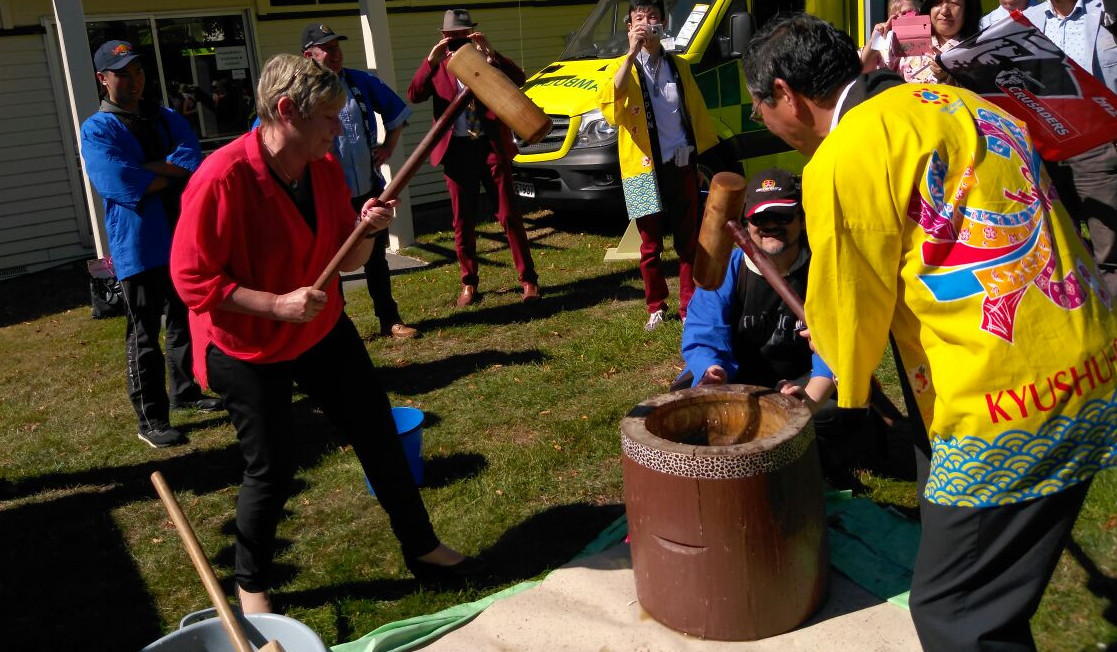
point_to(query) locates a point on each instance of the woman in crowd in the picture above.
(875, 51)
(261, 219)
(951, 22)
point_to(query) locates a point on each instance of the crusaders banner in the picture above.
(1013, 65)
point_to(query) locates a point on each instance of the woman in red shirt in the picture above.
(261, 218)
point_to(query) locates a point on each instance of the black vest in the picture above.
(766, 343)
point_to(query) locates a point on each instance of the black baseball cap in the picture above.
(113, 55)
(774, 190)
(319, 34)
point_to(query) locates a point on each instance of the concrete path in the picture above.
(590, 605)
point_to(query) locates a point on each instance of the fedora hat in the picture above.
(455, 20)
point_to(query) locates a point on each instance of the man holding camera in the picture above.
(476, 151)
(663, 126)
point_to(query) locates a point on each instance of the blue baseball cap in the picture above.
(113, 55)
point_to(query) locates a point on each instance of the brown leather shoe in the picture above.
(531, 292)
(468, 296)
(402, 331)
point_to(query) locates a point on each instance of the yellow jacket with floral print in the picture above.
(638, 174)
(929, 214)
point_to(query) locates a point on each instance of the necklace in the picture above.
(654, 63)
(292, 183)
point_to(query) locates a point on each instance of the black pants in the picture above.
(378, 277)
(980, 573)
(338, 375)
(148, 296)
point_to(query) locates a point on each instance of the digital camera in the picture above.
(655, 30)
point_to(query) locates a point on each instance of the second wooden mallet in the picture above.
(724, 204)
(491, 87)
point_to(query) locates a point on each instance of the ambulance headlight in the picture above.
(595, 131)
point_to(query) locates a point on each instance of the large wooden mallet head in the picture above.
(725, 202)
(497, 92)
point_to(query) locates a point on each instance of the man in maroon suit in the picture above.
(477, 150)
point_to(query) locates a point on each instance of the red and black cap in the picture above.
(773, 191)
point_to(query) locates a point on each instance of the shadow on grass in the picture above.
(52, 291)
(1101, 585)
(547, 540)
(541, 543)
(414, 379)
(553, 300)
(70, 580)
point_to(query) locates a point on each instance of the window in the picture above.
(201, 66)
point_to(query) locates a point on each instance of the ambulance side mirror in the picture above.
(741, 28)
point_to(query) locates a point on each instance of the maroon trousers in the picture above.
(467, 165)
(678, 188)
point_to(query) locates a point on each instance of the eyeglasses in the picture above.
(755, 116)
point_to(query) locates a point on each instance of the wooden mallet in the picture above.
(724, 204)
(487, 84)
(205, 571)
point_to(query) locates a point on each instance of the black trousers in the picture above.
(378, 277)
(148, 296)
(338, 375)
(980, 573)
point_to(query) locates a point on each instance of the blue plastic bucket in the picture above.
(409, 425)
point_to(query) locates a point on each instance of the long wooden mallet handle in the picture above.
(402, 177)
(878, 400)
(724, 204)
(201, 564)
(500, 95)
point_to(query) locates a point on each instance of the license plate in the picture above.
(524, 189)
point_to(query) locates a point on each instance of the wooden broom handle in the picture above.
(399, 180)
(201, 564)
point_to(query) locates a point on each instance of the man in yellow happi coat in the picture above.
(930, 219)
(662, 127)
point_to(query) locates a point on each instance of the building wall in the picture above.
(43, 217)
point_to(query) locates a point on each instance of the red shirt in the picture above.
(239, 228)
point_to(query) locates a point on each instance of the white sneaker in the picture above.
(654, 320)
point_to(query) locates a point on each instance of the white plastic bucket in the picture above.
(202, 631)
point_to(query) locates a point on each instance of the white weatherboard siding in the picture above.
(42, 223)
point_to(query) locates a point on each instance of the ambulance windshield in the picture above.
(604, 35)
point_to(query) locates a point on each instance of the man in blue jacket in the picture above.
(361, 156)
(743, 332)
(138, 156)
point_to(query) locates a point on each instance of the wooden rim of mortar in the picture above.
(761, 456)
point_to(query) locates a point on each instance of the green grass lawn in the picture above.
(522, 449)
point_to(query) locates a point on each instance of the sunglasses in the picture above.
(769, 218)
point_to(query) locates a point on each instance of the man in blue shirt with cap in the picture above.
(138, 156)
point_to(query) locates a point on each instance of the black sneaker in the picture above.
(162, 436)
(203, 404)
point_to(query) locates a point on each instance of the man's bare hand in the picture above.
(715, 375)
(482, 44)
(439, 51)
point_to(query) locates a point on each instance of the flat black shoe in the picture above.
(468, 570)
